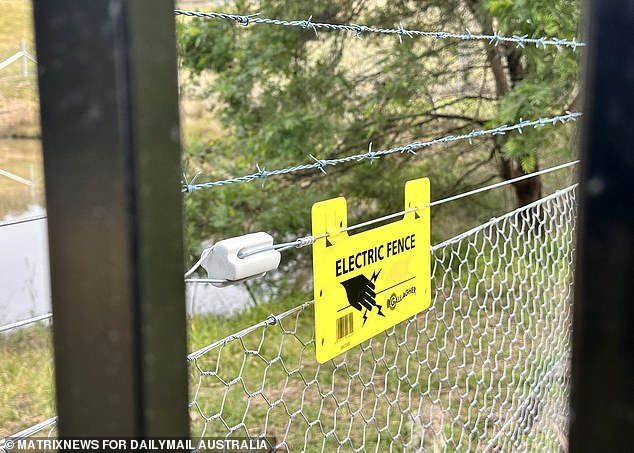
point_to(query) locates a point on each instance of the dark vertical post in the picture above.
(602, 401)
(110, 131)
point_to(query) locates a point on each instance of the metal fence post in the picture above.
(602, 400)
(110, 131)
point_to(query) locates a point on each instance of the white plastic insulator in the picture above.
(223, 262)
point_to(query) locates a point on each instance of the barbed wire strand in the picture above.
(306, 241)
(495, 39)
(321, 164)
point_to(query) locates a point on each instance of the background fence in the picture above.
(23, 56)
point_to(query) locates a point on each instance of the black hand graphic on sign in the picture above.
(361, 294)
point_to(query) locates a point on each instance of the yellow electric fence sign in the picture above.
(368, 282)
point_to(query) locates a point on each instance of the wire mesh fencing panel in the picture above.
(485, 368)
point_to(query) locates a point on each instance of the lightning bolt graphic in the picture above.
(365, 317)
(375, 275)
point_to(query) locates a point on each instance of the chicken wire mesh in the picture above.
(485, 368)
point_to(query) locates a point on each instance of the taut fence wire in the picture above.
(496, 38)
(485, 368)
(411, 148)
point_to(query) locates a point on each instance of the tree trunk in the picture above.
(526, 191)
(506, 79)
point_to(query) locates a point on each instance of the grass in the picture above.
(26, 378)
(19, 115)
(19, 111)
(16, 23)
(22, 158)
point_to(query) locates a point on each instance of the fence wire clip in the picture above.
(227, 261)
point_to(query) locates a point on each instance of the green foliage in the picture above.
(551, 81)
(283, 94)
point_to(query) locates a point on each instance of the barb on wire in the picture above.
(494, 39)
(188, 184)
(321, 164)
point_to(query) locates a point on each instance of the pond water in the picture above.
(24, 276)
(24, 266)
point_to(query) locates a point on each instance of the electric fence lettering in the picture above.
(374, 254)
(361, 279)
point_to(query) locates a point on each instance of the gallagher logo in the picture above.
(394, 299)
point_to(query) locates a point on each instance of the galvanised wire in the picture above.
(358, 30)
(485, 368)
(321, 164)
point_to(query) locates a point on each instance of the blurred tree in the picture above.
(530, 82)
(284, 93)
